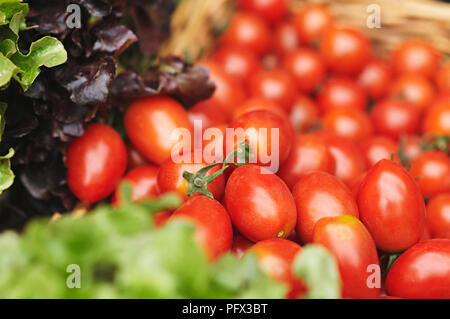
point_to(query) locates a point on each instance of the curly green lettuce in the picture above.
(24, 68)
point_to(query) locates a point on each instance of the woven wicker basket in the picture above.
(196, 23)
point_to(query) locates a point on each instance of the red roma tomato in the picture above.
(443, 78)
(259, 203)
(248, 31)
(208, 113)
(352, 245)
(170, 177)
(143, 181)
(423, 271)
(213, 226)
(161, 218)
(228, 93)
(414, 88)
(304, 114)
(273, 11)
(394, 118)
(318, 195)
(96, 162)
(377, 148)
(345, 51)
(311, 22)
(257, 126)
(431, 169)
(285, 38)
(151, 121)
(309, 153)
(276, 86)
(240, 245)
(342, 93)
(375, 78)
(411, 146)
(349, 162)
(391, 207)
(306, 68)
(437, 119)
(256, 103)
(352, 124)
(276, 257)
(239, 63)
(438, 214)
(415, 56)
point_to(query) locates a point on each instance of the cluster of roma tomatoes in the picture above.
(354, 176)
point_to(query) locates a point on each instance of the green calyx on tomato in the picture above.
(440, 143)
(199, 181)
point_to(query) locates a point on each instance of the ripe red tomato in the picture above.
(208, 113)
(414, 88)
(257, 103)
(285, 38)
(240, 245)
(346, 51)
(318, 195)
(411, 145)
(349, 162)
(273, 11)
(437, 119)
(391, 207)
(276, 257)
(375, 78)
(249, 31)
(352, 124)
(151, 121)
(259, 203)
(438, 214)
(170, 176)
(353, 246)
(306, 68)
(257, 126)
(311, 22)
(341, 93)
(432, 172)
(423, 271)
(309, 153)
(228, 93)
(377, 148)
(443, 78)
(394, 118)
(276, 86)
(96, 162)
(304, 113)
(415, 56)
(143, 181)
(239, 63)
(213, 226)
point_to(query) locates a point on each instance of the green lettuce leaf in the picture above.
(6, 174)
(319, 270)
(24, 68)
(120, 254)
